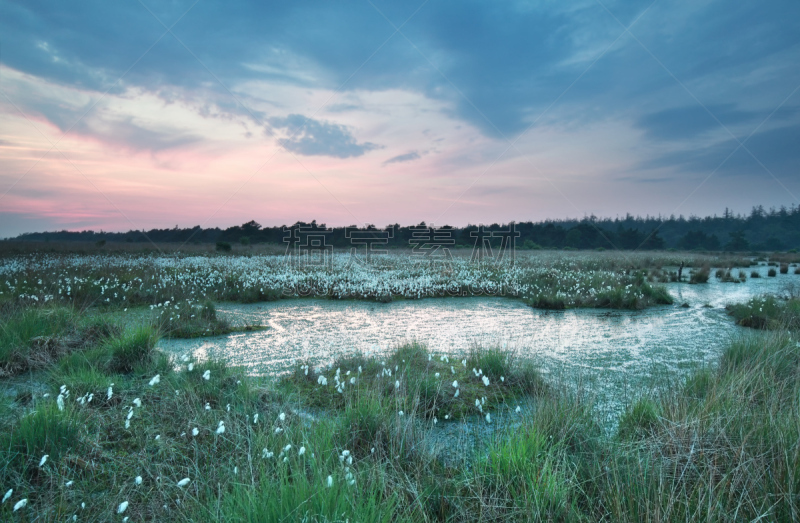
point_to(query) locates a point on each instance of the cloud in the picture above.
(311, 137)
(775, 148)
(413, 155)
(688, 122)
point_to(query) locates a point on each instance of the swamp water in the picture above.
(616, 355)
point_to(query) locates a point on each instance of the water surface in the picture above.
(613, 353)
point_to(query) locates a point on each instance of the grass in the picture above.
(767, 312)
(722, 446)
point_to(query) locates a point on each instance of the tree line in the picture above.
(760, 230)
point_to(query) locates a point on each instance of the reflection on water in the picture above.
(613, 352)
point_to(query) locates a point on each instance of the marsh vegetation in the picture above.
(96, 423)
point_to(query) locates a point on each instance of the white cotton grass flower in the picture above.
(457, 393)
(301, 451)
(518, 409)
(278, 430)
(8, 494)
(158, 437)
(282, 416)
(110, 392)
(43, 460)
(455, 384)
(207, 375)
(21, 504)
(69, 483)
(221, 427)
(190, 367)
(401, 413)
(397, 384)
(60, 402)
(436, 375)
(155, 380)
(287, 448)
(255, 418)
(137, 402)
(488, 418)
(330, 481)
(208, 406)
(266, 454)
(195, 432)
(122, 507)
(485, 381)
(185, 481)
(138, 480)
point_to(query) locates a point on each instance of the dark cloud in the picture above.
(775, 148)
(688, 122)
(315, 138)
(413, 155)
(497, 64)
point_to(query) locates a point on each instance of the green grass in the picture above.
(767, 312)
(723, 446)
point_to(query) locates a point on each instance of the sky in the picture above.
(142, 114)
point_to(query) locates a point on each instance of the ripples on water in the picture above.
(615, 354)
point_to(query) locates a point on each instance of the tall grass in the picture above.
(723, 446)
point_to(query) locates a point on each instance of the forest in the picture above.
(775, 229)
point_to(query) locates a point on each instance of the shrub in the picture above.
(223, 247)
(244, 240)
(784, 268)
(755, 274)
(772, 273)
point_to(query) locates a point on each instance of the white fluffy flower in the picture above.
(138, 480)
(137, 402)
(221, 428)
(207, 375)
(156, 379)
(122, 507)
(21, 504)
(330, 481)
(195, 432)
(184, 482)
(44, 459)
(8, 494)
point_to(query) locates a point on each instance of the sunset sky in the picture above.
(131, 115)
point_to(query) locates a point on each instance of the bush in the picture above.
(244, 240)
(784, 268)
(772, 273)
(755, 274)
(223, 247)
